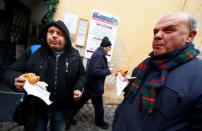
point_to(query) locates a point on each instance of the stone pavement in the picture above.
(85, 120)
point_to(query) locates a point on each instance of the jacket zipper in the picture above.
(56, 73)
(66, 64)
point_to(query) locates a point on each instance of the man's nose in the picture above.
(54, 34)
(158, 35)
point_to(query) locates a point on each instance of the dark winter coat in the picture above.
(96, 73)
(62, 79)
(178, 106)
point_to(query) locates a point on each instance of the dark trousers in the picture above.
(57, 121)
(97, 104)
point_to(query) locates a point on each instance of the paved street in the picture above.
(84, 118)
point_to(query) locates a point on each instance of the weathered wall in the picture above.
(135, 33)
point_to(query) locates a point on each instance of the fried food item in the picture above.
(31, 77)
(123, 72)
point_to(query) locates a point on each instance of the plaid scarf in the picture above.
(161, 67)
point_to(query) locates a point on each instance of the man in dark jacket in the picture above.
(166, 94)
(97, 71)
(60, 66)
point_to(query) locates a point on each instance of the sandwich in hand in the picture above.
(31, 77)
(123, 72)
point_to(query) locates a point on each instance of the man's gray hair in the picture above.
(193, 23)
(192, 20)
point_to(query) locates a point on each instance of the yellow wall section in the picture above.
(137, 20)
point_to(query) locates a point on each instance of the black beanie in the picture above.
(105, 42)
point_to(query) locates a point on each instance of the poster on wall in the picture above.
(101, 24)
(81, 33)
(70, 21)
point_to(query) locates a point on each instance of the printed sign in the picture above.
(70, 21)
(101, 25)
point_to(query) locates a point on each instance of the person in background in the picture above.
(60, 66)
(166, 94)
(97, 70)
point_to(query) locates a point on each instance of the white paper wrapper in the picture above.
(121, 82)
(38, 90)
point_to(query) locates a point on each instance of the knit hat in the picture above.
(105, 42)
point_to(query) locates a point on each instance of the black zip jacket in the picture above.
(96, 73)
(63, 75)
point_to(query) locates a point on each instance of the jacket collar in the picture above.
(102, 51)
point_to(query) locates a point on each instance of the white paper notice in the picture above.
(70, 21)
(38, 90)
(82, 32)
(122, 82)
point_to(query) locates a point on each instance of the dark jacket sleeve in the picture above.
(98, 68)
(79, 85)
(16, 69)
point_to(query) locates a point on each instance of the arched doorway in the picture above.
(19, 28)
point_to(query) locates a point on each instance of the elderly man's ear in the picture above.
(191, 36)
